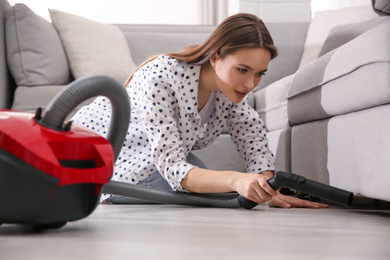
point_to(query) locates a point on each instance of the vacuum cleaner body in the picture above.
(47, 176)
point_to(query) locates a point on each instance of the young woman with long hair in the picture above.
(181, 101)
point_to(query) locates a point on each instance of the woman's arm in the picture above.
(252, 186)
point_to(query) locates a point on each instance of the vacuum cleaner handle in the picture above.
(302, 184)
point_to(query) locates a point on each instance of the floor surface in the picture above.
(179, 232)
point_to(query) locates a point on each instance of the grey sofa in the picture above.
(325, 105)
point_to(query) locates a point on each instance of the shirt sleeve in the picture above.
(248, 132)
(159, 113)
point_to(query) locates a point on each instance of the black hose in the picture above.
(83, 89)
(226, 200)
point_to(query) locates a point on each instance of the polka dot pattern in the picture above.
(165, 124)
(248, 132)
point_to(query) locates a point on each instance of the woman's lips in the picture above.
(240, 94)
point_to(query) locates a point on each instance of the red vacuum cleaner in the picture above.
(52, 172)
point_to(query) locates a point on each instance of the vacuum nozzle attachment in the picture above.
(302, 184)
(316, 189)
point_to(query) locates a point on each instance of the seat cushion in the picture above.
(28, 99)
(280, 145)
(271, 104)
(353, 77)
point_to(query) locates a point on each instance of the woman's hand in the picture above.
(283, 201)
(255, 186)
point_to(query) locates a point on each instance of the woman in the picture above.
(182, 101)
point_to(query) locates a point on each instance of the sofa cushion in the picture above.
(28, 99)
(353, 77)
(35, 54)
(324, 21)
(280, 145)
(271, 104)
(342, 34)
(93, 48)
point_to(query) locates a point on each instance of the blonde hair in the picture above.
(235, 32)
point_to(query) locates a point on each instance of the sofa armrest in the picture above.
(7, 84)
(353, 77)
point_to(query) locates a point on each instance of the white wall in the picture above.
(320, 5)
(188, 11)
(274, 10)
(125, 11)
(289, 10)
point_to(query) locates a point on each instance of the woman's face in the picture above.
(238, 73)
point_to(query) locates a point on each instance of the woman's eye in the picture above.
(242, 70)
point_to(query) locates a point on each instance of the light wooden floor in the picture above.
(178, 232)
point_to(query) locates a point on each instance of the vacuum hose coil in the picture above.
(83, 89)
(172, 197)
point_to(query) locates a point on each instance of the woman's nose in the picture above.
(251, 83)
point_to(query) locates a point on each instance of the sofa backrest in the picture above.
(324, 21)
(142, 39)
(289, 38)
(147, 40)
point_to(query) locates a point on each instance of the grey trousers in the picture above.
(156, 181)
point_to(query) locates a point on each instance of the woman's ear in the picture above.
(213, 60)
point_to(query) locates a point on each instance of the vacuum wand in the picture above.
(300, 183)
